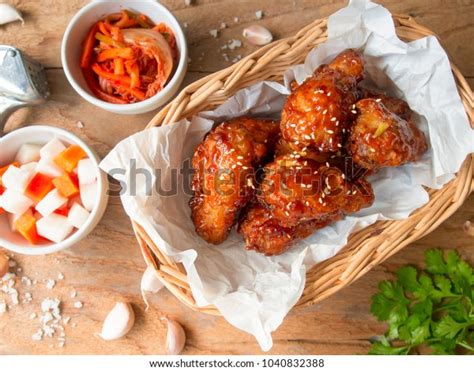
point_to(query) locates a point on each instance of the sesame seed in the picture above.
(378, 100)
(307, 203)
(325, 111)
(354, 111)
(353, 106)
(307, 137)
(287, 213)
(239, 163)
(372, 150)
(339, 145)
(331, 131)
(234, 166)
(328, 94)
(327, 164)
(320, 200)
(333, 119)
(245, 167)
(240, 157)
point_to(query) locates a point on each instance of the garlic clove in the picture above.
(150, 283)
(176, 337)
(257, 35)
(467, 227)
(4, 265)
(118, 322)
(9, 14)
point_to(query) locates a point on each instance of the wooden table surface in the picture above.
(107, 266)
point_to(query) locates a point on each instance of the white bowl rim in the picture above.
(131, 107)
(101, 197)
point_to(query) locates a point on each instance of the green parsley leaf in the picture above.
(431, 307)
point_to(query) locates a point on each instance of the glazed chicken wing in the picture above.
(223, 181)
(268, 236)
(296, 189)
(317, 112)
(380, 138)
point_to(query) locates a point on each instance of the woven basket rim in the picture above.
(365, 248)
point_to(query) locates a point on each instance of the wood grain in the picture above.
(107, 266)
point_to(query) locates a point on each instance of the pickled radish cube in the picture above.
(86, 171)
(78, 216)
(67, 185)
(39, 186)
(51, 149)
(26, 226)
(12, 218)
(69, 158)
(28, 153)
(17, 179)
(88, 195)
(54, 227)
(16, 203)
(51, 202)
(47, 167)
(30, 166)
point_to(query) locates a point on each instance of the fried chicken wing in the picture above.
(266, 235)
(223, 181)
(299, 189)
(380, 138)
(317, 112)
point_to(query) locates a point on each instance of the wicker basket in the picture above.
(367, 247)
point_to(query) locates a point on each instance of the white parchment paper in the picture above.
(254, 292)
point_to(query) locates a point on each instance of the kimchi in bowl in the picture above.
(72, 51)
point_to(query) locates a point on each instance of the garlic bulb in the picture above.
(9, 14)
(118, 322)
(4, 265)
(150, 283)
(257, 35)
(176, 337)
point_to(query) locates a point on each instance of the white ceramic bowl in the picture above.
(77, 30)
(9, 146)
